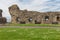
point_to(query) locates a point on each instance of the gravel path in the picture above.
(26, 27)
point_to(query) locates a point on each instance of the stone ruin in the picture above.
(2, 19)
(33, 17)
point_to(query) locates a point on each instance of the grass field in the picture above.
(29, 34)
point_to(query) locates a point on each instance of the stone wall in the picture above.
(32, 17)
(3, 20)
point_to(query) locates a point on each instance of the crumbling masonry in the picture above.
(33, 17)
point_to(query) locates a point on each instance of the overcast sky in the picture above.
(35, 5)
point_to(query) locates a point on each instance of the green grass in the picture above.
(54, 25)
(29, 34)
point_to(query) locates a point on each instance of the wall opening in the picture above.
(36, 22)
(58, 18)
(54, 22)
(22, 22)
(46, 18)
(30, 19)
(17, 19)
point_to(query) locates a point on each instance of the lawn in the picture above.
(29, 34)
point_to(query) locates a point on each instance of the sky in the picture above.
(35, 5)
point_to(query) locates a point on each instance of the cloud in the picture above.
(4, 4)
(35, 5)
(41, 5)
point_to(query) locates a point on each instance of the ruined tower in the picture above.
(0, 13)
(14, 10)
(2, 19)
